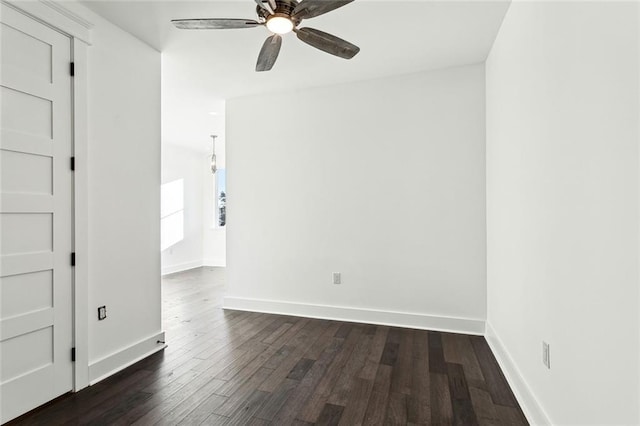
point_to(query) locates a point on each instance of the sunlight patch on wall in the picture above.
(171, 213)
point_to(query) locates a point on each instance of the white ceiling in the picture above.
(395, 37)
(203, 67)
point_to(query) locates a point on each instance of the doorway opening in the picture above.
(193, 192)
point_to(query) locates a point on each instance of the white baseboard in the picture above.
(527, 400)
(215, 261)
(341, 313)
(111, 364)
(179, 267)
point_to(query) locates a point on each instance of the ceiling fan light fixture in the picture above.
(281, 17)
(279, 24)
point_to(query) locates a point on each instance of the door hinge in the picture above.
(73, 259)
(72, 69)
(73, 163)
(73, 354)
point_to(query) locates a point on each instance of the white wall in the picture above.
(124, 198)
(562, 208)
(383, 181)
(179, 162)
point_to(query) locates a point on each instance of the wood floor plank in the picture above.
(288, 336)
(457, 349)
(245, 374)
(277, 333)
(325, 340)
(379, 399)
(463, 412)
(397, 409)
(203, 410)
(265, 333)
(402, 375)
(318, 398)
(259, 351)
(281, 354)
(496, 383)
(301, 342)
(330, 415)
(235, 367)
(300, 369)
(89, 409)
(441, 408)
(184, 408)
(390, 354)
(340, 393)
(356, 404)
(108, 416)
(510, 416)
(344, 330)
(214, 420)
(297, 400)
(375, 353)
(278, 375)
(202, 383)
(273, 404)
(244, 413)
(437, 363)
(238, 398)
(483, 407)
(256, 421)
(391, 347)
(418, 402)
(163, 389)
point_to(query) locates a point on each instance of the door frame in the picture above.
(73, 20)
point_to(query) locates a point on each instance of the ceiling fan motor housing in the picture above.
(284, 8)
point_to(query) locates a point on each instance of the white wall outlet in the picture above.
(337, 278)
(545, 355)
(102, 313)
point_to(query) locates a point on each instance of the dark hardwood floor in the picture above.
(231, 367)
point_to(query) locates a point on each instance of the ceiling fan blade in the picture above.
(264, 6)
(214, 23)
(273, 4)
(269, 53)
(312, 8)
(327, 42)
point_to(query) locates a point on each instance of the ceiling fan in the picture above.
(282, 17)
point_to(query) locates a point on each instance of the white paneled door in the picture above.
(36, 216)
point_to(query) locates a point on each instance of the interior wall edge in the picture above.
(367, 316)
(526, 398)
(218, 262)
(127, 356)
(183, 266)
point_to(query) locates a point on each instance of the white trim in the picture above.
(179, 267)
(368, 316)
(81, 215)
(59, 17)
(117, 361)
(526, 398)
(68, 14)
(215, 261)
